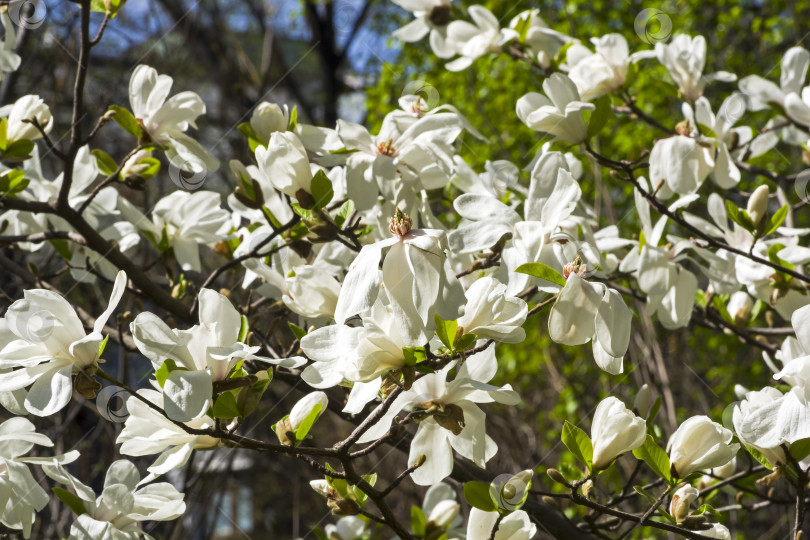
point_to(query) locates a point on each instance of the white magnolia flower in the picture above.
(268, 118)
(9, 60)
(473, 40)
(681, 501)
(604, 71)
(542, 42)
(586, 312)
(558, 113)
(147, 432)
(614, 431)
(49, 345)
(767, 419)
(726, 173)
(700, 444)
(284, 162)
(515, 526)
(431, 16)
(410, 153)
(165, 121)
(685, 57)
(491, 313)
(682, 163)
(20, 114)
(358, 354)
(757, 206)
(308, 290)
(21, 496)
(552, 198)
(750, 416)
(718, 531)
(762, 93)
(286, 428)
(452, 420)
(347, 528)
(182, 221)
(117, 513)
(208, 352)
(413, 275)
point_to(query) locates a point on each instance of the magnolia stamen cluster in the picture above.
(386, 148)
(575, 267)
(400, 224)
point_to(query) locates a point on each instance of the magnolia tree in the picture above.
(333, 264)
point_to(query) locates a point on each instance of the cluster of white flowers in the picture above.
(335, 226)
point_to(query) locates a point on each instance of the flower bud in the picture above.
(286, 428)
(643, 401)
(758, 204)
(443, 513)
(557, 476)
(614, 431)
(724, 471)
(268, 118)
(23, 112)
(681, 501)
(739, 307)
(700, 444)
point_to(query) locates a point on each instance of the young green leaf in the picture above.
(777, 219)
(106, 164)
(658, 460)
(73, 501)
(303, 429)
(418, 521)
(477, 495)
(225, 406)
(322, 191)
(446, 331)
(542, 271)
(600, 116)
(578, 443)
(126, 120)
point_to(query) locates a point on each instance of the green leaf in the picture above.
(293, 119)
(225, 406)
(297, 331)
(165, 368)
(3, 134)
(777, 219)
(303, 429)
(321, 188)
(464, 342)
(19, 149)
(13, 182)
(599, 116)
(658, 460)
(244, 328)
(344, 213)
(578, 443)
(103, 345)
(800, 449)
(152, 169)
(112, 7)
(62, 248)
(126, 120)
(73, 501)
(418, 521)
(248, 398)
(720, 306)
(414, 355)
(271, 218)
(446, 331)
(477, 495)
(732, 211)
(706, 131)
(106, 164)
(542, 271)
